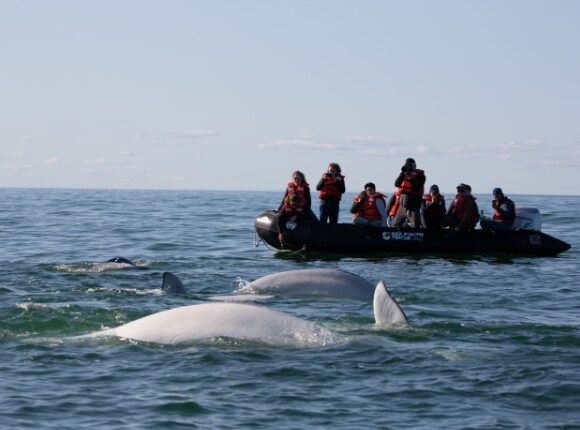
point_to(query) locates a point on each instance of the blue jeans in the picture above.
(328, 212)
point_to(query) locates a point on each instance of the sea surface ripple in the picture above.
(493, 340)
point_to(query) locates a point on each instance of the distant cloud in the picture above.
(371, 145)
(96, 162)
(196, 133)
(300, 144)
(175, 137)
(53, 161)
(13, 154)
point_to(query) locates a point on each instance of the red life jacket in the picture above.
(294, 188)
(330, 189)
(428, 199)
(370, 206)
(395, 208)
(511, 208)
(457, 209)
(292, 211)
(406, 186)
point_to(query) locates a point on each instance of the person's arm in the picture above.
(307, 198)
(400, 179)
(340, 184)
(510, 213)
(320, 183)
(420, 179)
(281, 205)
(357, 203)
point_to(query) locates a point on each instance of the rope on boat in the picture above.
(257, 239)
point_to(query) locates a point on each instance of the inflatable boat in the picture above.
(351, 239)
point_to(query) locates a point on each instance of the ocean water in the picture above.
(493, 340)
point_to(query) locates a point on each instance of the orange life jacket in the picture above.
(395, 208)
(406, 186)
(330, 189)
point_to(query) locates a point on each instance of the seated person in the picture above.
(392, 209)
(433, 208)
(463, 212)
(369, 208)
(504, 212)
(293, 210)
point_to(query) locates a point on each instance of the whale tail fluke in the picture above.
(386, 308)
(172, 284)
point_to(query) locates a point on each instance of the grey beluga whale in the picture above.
(121, 260)
(242, 321)
(172, 284)
(332, 283)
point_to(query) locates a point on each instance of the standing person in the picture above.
(296, 203)
(331, 187)
(463, 212)
(369, 208)
(504, 213)
(411, 182)
(433, 208)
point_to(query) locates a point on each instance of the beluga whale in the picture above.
(171, 284)
(243, 321)
(331, 283)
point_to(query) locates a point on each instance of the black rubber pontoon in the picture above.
(351, 239)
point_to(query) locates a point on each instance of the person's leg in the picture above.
(401, 216)
(414, 218)
(323, 212)
(333, 214)
(360, 221)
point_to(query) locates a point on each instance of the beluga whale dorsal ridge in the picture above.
(334, 283)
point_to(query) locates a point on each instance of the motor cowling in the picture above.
(528, 218)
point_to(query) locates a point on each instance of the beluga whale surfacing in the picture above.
(329, 283)
(243, 321)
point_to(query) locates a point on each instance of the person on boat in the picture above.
(369, 208)
(433, 209)
(504, 212)
(410, 182)
(331, 187)
(298, 206)
(462, 214)
(393, 207)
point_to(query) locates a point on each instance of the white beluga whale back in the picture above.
(333, 283)
(223, 320)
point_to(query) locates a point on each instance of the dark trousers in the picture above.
(329, 211)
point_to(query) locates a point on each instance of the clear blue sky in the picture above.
(238, 94)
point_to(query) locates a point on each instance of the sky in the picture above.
(236, 95)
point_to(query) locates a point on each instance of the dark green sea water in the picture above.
(493, 341)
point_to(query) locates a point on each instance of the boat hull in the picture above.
(351, 239)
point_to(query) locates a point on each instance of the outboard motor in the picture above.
(528, 218)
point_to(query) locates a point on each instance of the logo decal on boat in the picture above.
(535, 239)
(401, 235)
